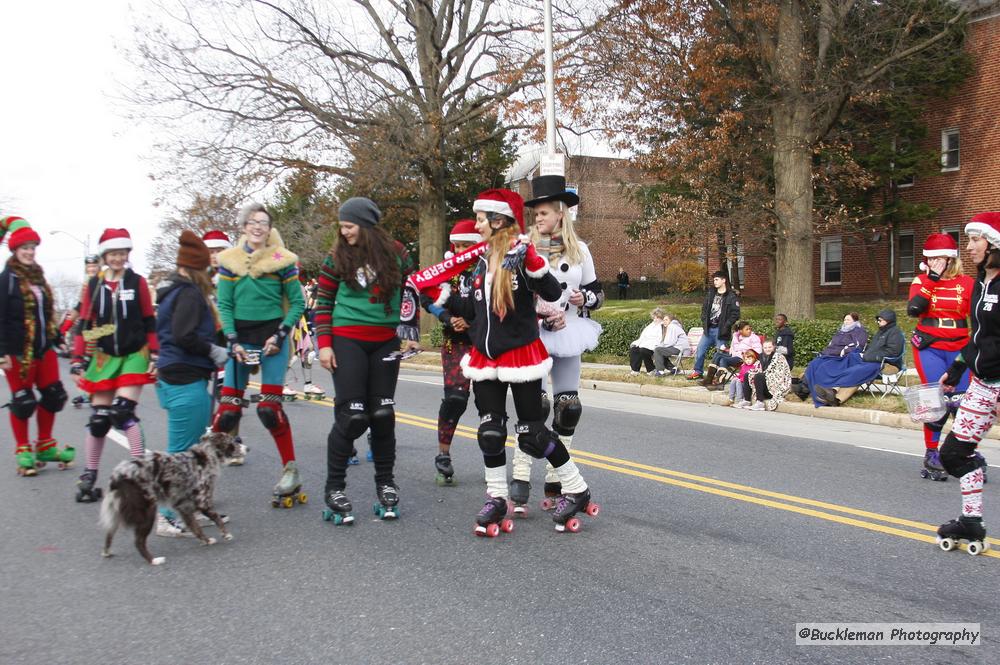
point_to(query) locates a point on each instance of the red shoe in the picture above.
(694, 376)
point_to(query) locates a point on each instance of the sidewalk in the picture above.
(698, 394)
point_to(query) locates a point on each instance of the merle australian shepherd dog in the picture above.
(185, 481)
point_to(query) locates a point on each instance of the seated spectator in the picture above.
(765, 388)
(640, 352)
(851, 337)
(887, 342)
(743, 339)
(750, 364)
(674, 342)
(784, 339)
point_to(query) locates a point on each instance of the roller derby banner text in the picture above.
(895, 634)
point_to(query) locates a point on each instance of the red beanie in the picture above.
(23, 236)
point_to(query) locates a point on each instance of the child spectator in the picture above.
(749, 365)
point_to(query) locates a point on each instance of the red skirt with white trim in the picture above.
(525, 363)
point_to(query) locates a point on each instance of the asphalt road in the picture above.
(720, 530)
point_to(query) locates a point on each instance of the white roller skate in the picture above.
(288, 491)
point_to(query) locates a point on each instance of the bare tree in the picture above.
(259, 86)
(203, 213)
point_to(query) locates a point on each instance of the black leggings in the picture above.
(760, 383)
(363, 376)
(638, 356)
(491, 397)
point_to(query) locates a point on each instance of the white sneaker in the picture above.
(758, 406)
(171, 528)
(288, 392)
(633, 373)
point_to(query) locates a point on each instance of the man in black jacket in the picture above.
(719, 314)
(886, 346)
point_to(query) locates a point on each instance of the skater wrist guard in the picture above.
(282, 334)
(955, 372)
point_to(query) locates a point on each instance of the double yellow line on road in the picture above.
(831, 512)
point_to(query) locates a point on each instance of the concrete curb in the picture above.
(719, 398)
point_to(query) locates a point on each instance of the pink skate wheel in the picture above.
(547, 503)
(507, 525)
(593, 509)
(573, 525)
(492, 530)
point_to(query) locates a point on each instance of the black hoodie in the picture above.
(887, 342)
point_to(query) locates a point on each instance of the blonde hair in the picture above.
(502, 290)
(657, 313)
(571, 242)
(954, 268)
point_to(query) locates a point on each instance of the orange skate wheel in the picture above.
(287, 502)
(507, 525)
(573, 525)
(302, 498)
(593, 509)
(492, 530)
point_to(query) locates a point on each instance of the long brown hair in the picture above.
(203, 283)
(502, 296)
(375, 251)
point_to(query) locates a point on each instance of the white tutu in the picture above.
(579, 335)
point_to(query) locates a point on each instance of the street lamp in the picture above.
(86, 244)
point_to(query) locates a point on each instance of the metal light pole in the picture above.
(550, 84)
(86, 244)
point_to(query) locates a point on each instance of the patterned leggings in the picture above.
(975, 417)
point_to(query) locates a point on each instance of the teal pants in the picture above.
(189, 410)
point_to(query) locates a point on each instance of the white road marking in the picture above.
(119, 439)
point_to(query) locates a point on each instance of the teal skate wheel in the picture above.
(327, 515)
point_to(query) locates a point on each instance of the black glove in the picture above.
(955, 373)
(933, 276)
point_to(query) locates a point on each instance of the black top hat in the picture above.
(550, 188)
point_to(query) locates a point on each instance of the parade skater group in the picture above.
(515, 310)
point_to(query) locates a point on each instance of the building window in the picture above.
(953, 231)
(949, 150)
(905, 248)
(829, 261)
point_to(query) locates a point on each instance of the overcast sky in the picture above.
(69, 161)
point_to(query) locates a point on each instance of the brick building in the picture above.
(603, 214)
(966, 129)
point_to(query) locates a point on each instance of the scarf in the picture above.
(425, 281)
(26, 277)
(848, 327)
(556, 249)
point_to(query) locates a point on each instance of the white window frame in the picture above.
(913, 240)
(957, 230)
(824, 243)
(945, 133)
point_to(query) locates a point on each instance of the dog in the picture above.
(185, 481)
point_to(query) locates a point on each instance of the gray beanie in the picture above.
(361, 211)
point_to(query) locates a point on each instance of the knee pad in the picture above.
(567, 413)
(492, 434)
(383, 417)
(53, 397)
(123, 412)
(352, 418)
(546, 406)
(22, 403)
(453, 405)
(229, 414)
(270, 413)
(534, 438)
(100, 421)
(958, 457)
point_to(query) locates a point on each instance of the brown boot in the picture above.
(826, 396)
(709, 376)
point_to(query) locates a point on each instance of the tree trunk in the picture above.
(431, 213)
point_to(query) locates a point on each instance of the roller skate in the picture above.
(85, 490)
(25, 461)
(288, 395)
(48, 451)
(965, 529)
(80, 401)
(353, 459)
(492, 519)
(568, 506)
(288, 491)
(932, 466)
(445, 471)
(552, 493)
(313, 392)
(519, 492)
(338, 508)
(387, 507)
(240, 458)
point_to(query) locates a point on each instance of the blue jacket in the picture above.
(185, 326)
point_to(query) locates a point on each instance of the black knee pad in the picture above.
(492, 434)
(351, 418)
(383, 417)
(958, 457)
(227, 418)
(546, 406)
(53, 397)
(453, 405)
(22, 403)
(567, 413)
(100, 421)
(534, 438)
(123, 412)
(271, 415)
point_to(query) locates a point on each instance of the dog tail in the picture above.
(111, 513)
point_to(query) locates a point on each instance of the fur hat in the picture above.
(192, 252)
(986, 224)
(551, 188)
(501, 201)
(113, 239)
(23, 236)
(216, 240)
(940, 244)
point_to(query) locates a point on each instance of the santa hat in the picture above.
(216, 240)
(986, 224)
(940, 244)
(11, 224)
(502, 201)
(113, 239)
(22, 236)
(464, 231)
